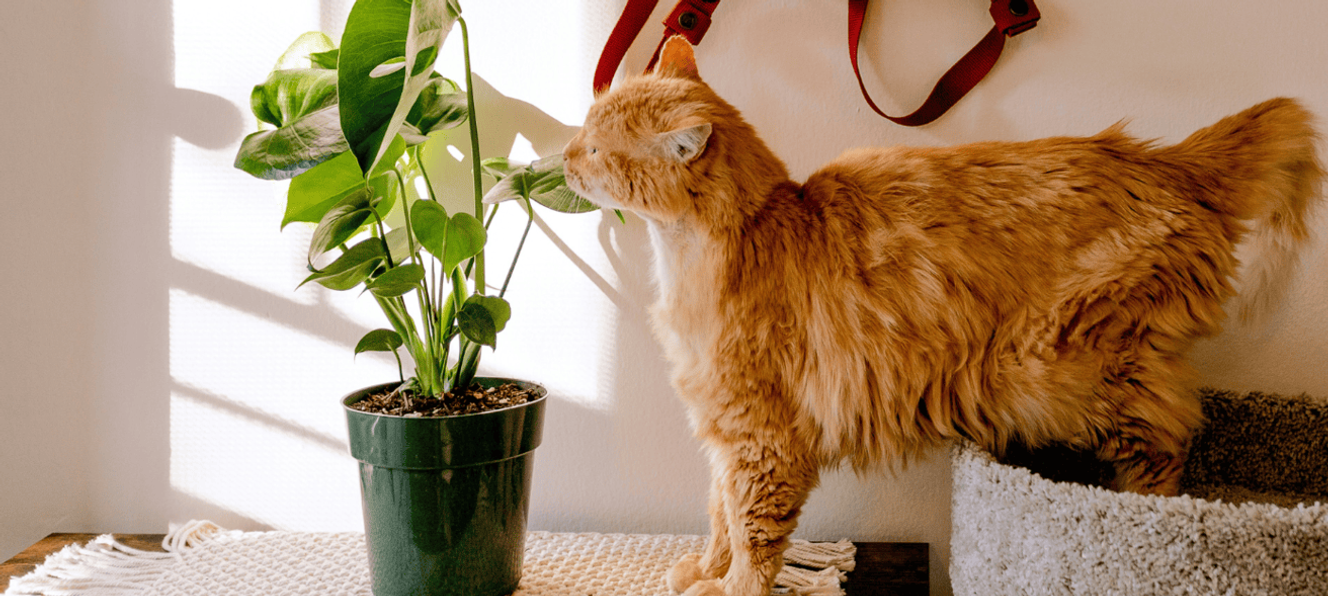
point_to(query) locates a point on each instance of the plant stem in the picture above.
(474, 150)
(439, 343)
(530, 220)
(382, 236)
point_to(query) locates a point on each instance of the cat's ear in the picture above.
(684, 144)
(676, 59)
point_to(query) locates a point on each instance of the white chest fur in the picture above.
(686, 315)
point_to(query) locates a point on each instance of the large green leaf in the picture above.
(314, 192)
(378, 32)
(341, 222)
(294, 148)
(352, 268)
(308, 141)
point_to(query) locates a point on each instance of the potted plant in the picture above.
(445, 457)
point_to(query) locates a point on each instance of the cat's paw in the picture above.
(705, 587)
(686, 572)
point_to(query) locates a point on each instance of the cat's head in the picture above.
(647, 145)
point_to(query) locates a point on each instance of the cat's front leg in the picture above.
(714, 562)
(765, 487)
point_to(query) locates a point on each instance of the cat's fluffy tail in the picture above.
(1261, 165)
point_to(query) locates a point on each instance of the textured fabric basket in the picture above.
(1252, 519)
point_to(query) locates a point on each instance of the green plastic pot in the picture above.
(445, 499)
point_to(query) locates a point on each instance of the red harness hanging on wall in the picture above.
(691, 19)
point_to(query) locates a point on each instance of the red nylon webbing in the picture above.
(1012, 17)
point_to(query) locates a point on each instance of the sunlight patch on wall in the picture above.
(221, 220)
(223, 223)
(264, 472)
(561, 320)
(522, 151)
(266, 366)
(256, 426)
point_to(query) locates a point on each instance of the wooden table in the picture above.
(884, 568)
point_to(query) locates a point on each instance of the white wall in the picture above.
(158, 365)
(47, 302)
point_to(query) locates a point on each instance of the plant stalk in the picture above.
(474, 150)
(530, 220)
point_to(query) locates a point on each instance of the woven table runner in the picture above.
(202, 559)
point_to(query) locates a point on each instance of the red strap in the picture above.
(689, 18)
(634, 17)
(1012, 17)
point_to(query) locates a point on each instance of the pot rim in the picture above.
(364, 391)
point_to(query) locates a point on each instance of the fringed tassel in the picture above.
(815, 568)
(819, 555)
(108, 568)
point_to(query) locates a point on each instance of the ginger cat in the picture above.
(901, 297)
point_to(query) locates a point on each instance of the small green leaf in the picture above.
(388, 67)
(465, 239)
(397, 281)
(379, 340)
(441, 105)
(395, 149)
(548, 187)
(498, 308)
(288, 95)
(499, 167)
(386, 190)
(326, 59)
(306, 46)
(314, 192)
(563, 200)
(340, 223)
(543, 181)
(424, 60)
(516, 185)
(429, 221)
(398, 243)
(352, 268)
(477, 324)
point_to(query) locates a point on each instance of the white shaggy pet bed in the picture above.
(1252, 519)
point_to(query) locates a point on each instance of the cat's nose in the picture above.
(571, 150)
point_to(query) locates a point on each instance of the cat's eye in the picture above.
(593, 150)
